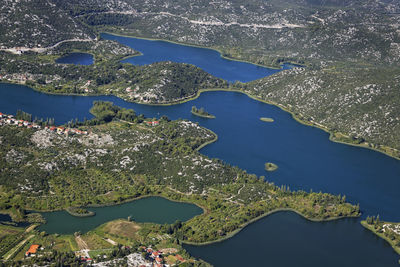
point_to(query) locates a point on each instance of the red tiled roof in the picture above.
(179, 257)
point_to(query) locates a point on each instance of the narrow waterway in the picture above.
(151, 209)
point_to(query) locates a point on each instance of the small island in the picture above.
(80, 212)
(269, 166)
(267, 119)
(201, 113)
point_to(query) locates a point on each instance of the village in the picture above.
(391, 227)
(143, 257)
(6, 119)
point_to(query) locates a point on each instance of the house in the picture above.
(1, 115)
(32, 250)
(179, 258)
(152, 123)
(53, 129)
(60, 130)
(155, 254)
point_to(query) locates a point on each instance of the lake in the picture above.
(306, 158)
(151, 209)
(76, 58)
(287, 239)
(206, 59)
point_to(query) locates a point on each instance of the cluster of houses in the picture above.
(10, 120)
(66, 131)
(152, 123)
(393, 227)
(156, 256)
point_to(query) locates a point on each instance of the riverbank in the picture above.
(298, 119)
(209, 142)
(275, 67)
(381, 235)
(383, 149)
(235, 232)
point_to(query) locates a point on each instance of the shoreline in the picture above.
(215, 139)
(124, 202)
(331, 138)
(235, 232)
(372, 229)
(197, 95)
(203, 116)
(204, 47)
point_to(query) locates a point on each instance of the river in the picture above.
(306, 158)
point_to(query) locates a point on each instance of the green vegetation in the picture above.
(9, 236)
(269, 166)
(351, 68)
(267, 119)
(365, 92)
(201, 113)
(120, 162)
(80, 212)
(105, 112)
(107, 76)
(386, 230)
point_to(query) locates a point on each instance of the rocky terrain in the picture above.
(333, 97)
(351, 50)
(37, 24)
(118, 161)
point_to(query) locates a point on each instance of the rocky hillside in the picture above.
(261, 31)
(37, 24)
(362, 103)
(351, 49)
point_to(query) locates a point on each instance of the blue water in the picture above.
(306, 159)
(206, 59)
(151, 209)
(5, 218)
(286, 240)
(76, 58)
(305, 156)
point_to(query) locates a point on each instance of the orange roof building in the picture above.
(32, 250)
